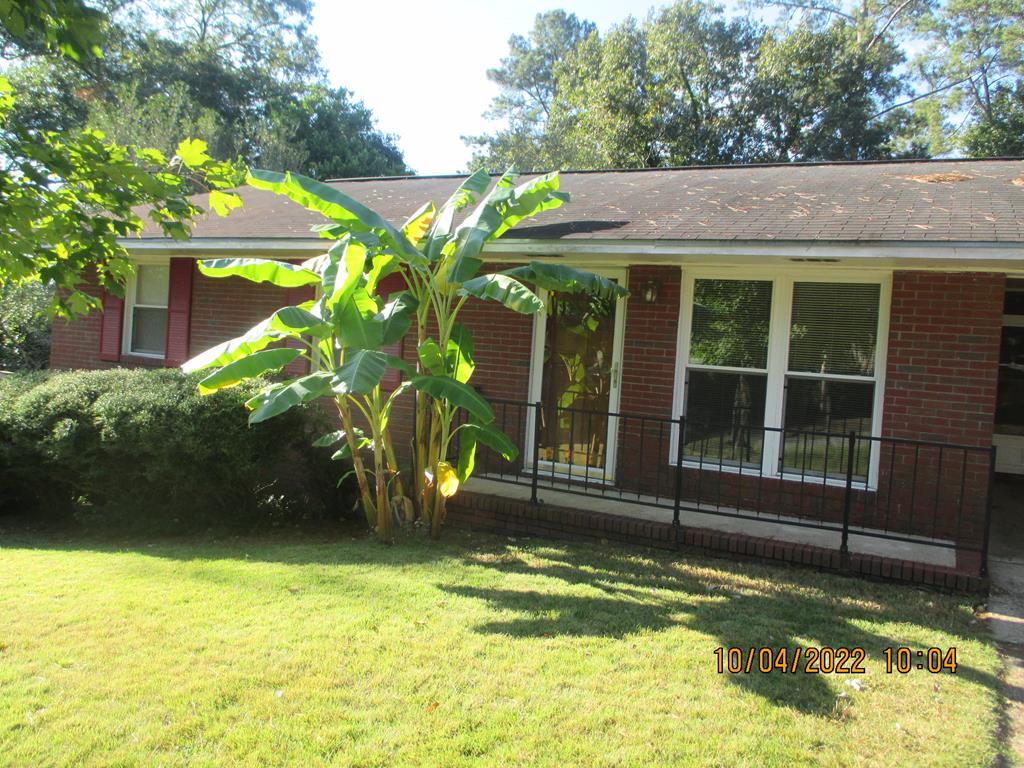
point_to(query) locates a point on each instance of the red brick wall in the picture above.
(941, 375)
(943, 358)
(222, 308)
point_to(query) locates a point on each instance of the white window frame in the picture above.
(782, 279)
(130, 290)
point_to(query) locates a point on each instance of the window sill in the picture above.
(141, 361)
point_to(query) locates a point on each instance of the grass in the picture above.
(474, 651)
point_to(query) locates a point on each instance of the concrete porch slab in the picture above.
(769, 528)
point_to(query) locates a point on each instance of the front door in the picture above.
(1009, 428)
(577, 365)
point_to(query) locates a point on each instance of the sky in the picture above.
(422, 67)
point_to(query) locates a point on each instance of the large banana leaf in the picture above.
(362, 371)
(505, 290)
(559, 277)
(467, 455)
(352, 215)
(459, 358)
(261, 271)
(456, 393)
(531, 197)
(279, 398)
(355, 324)
(395, 317)
(343, 273)
(247, 368)
(296, 321)
(253, 340)
(441, 229)
(493, 438)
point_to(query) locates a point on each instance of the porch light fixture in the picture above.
(650, 292)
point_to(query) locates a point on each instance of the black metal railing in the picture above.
(926, 493)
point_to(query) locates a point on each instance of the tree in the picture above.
(67, 198)
(1002, 134)
(343, 334)
(689, 85)
(973, 61)
(527, 81)
(25, 326)
(242, 75)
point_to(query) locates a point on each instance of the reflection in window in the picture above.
(834, 328)
(820, 414)
(725, 417)
(730, 323)
(576, 383)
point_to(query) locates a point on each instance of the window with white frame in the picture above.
(146, 311)
(773, 370)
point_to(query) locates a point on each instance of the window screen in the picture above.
(834, 328)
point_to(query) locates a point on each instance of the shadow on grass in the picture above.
(742, 605)
(796, 609)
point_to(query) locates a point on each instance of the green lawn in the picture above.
(477, 651)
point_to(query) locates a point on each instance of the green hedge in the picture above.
(141, 447)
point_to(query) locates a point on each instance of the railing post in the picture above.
(679, 472)
(535, 475)
(988, 510)
(844, 547)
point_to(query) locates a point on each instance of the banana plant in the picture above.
(344, 331)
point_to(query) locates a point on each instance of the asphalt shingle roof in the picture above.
(963, 201)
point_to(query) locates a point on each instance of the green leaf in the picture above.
(296, 321)
(531, 197)
(343, 273)
(253, 340)
(505, 290)
(352, 215)
(394, 361)
(457, 394)
(331, 438)
(495, 439)
(441, 229)
(354, 321)
(430, 356)
(279, 398)
(467, 454)
(248, 367)
(459, 358)
(362, 371)
(279, 273)
(395, 317)
(559, 277)
(224, 202)
(192, 152)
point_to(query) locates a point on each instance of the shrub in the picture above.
(25, 326)
(141, 447)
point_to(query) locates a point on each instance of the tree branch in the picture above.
(888, 23)
(921, 96)
(811, 7)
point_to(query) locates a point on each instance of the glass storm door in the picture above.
(1009, 426)
(578, 345)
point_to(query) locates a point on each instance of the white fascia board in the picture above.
(942, 256)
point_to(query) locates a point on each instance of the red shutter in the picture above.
(111, 325)
(392, 284)
(179, 311)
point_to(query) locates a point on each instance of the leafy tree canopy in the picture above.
(68, 197)
(792, 80)
(243, 75)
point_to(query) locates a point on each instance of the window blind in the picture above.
(834, 328)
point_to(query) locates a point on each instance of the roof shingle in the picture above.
(965, 201)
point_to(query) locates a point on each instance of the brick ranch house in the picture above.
(840, 346)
